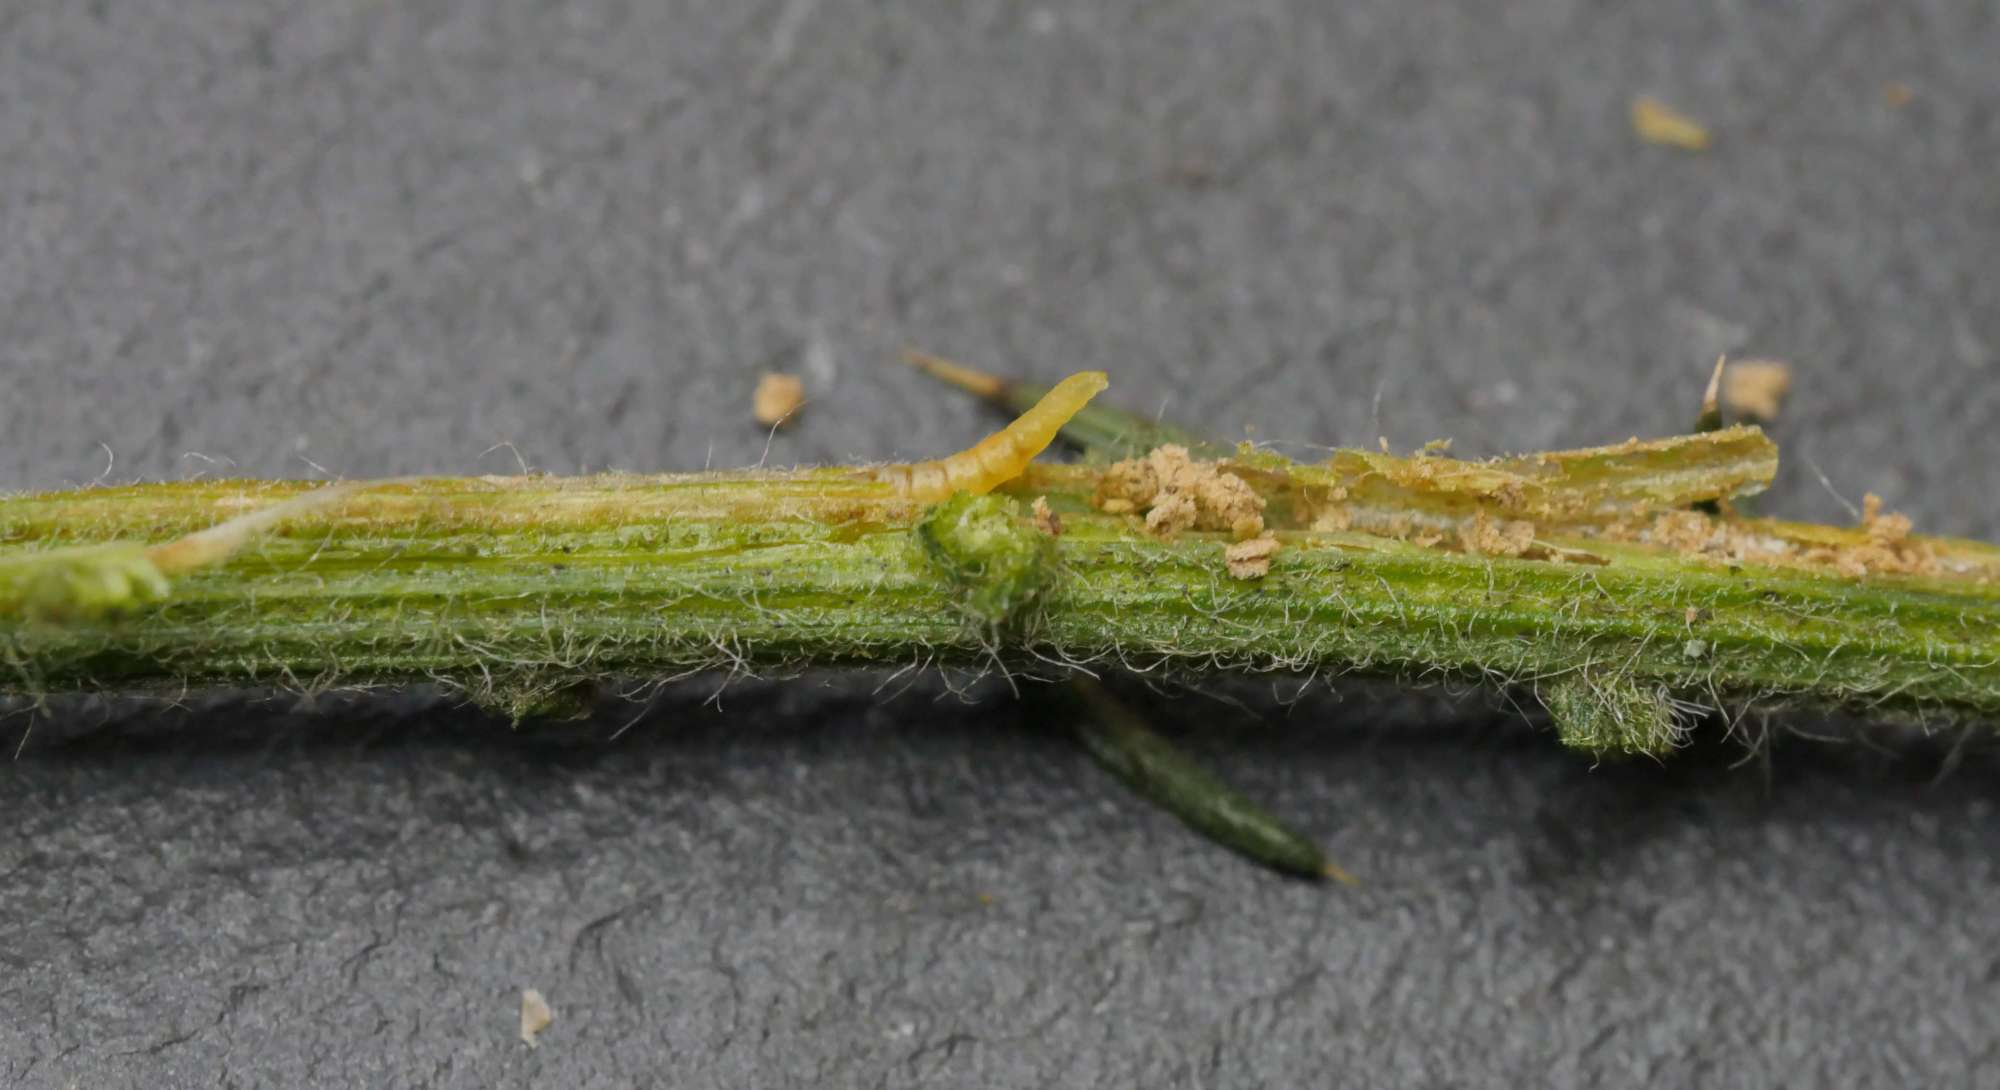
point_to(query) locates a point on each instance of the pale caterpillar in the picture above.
(1002, 456)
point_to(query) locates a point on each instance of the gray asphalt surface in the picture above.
(361, 238)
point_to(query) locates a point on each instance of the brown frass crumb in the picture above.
(1251, 559)
(1756, 388)
(1887, 546)
(1172, 512)
(1179, 493)
(1497, 537)
(535, 1016)
(1046, 520)
(1658, 123)
(777, 399)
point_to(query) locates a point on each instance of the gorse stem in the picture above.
(1578, 574)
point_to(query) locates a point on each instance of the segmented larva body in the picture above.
(1002, 456)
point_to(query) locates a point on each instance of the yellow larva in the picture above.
(1000, 457)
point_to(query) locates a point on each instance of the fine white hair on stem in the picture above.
(511, 449)
(773, 433)
(1830, 490)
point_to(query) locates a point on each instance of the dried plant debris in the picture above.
(777, 399)
(1177, 492)
(1633, 493)
(1710, 417)
(1046, 520)
(535, 1017)
(1335, 517)
(1658, 123)
(1889, 546)
(1882, 545)
(1251, 559)
(1497, 508)
(1407, 497)
(965, 378)
(1497, 537)
(1756, 388)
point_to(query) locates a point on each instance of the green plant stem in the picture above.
(536, 584)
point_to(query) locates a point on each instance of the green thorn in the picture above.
(1123, 745)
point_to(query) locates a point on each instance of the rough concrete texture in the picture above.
(366, 238)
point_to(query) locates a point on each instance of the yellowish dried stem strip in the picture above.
(1591, 486)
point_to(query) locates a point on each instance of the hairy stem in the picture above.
(534, 585)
